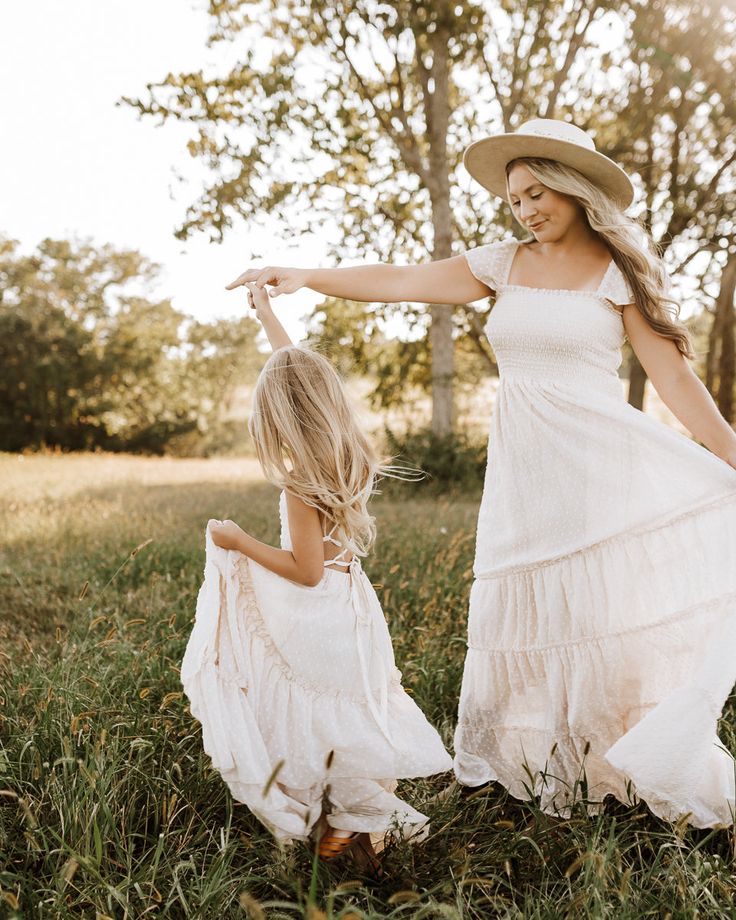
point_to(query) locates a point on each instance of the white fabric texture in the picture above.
(279, 675)
(602, 622)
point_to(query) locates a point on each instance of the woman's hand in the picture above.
(283, 280)
(226, 534)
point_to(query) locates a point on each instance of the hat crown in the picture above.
(487, 159)
(557, 130)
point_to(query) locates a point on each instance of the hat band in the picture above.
(555, 137)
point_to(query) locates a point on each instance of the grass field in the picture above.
(108, 806)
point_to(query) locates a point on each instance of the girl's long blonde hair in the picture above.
(309, 442)
(631, 246)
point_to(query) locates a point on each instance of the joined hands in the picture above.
(281, 280)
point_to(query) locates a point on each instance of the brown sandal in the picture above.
(366, 858)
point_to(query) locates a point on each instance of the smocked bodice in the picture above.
(555, 336)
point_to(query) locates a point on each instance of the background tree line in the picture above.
(354, 114)
(90, 360)
(359, 110)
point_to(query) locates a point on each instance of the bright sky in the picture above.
(72, 163)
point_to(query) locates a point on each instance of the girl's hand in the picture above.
(258, 300)
(283, 280)
(226, 534)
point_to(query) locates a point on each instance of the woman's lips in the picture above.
(535, 227)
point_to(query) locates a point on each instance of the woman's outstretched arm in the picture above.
(443, 281)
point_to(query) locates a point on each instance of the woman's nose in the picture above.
(527, 210)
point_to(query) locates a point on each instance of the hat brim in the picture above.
(486, 161)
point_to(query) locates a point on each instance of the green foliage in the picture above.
(356, 339)
(450, 462)
(363, 109)
(88, 362)
(356, 342)
(109, 806)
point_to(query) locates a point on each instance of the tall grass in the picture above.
(108, 806)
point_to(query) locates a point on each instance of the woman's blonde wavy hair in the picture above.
(309, 442)
(631, 246)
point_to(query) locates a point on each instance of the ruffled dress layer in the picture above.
(602, 623)
(300, 701)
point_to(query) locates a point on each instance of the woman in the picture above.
(602, 626)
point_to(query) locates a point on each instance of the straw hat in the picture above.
(487, 158)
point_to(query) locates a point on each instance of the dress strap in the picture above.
(336, 560)
(328, 536)
(505, 259)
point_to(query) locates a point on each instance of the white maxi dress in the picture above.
(602, 621)
(299, 698)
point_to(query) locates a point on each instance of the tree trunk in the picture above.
(637, 382)
(712, 358)
(726, 318)
(443, 368)
(435, 87)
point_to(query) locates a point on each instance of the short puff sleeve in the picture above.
(616, 288)
(490, 263)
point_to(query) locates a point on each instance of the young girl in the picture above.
(290, 668)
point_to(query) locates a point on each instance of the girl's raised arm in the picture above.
(258, 300)
(443, 281)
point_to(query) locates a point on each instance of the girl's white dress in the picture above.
(602, 624)
(300, 700)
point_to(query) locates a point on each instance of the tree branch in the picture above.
(407, 143)
(573, 46)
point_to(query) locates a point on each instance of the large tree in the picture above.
(358, 110)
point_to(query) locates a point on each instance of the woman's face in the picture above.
(545, 213)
